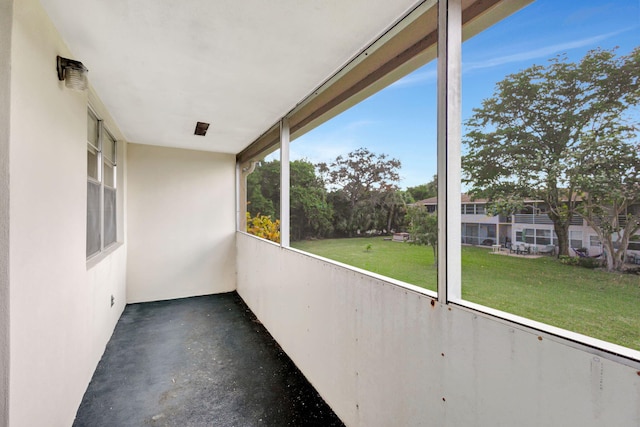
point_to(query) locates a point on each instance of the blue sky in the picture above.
(401, 120)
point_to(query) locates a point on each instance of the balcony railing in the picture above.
(477, 241)
(542, 219)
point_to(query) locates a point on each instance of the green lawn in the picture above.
(591, 302)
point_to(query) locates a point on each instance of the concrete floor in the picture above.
(202, 361)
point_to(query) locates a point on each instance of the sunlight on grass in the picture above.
(591, 302)
(409, 263)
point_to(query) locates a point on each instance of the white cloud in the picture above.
(426, 76)
(543, 52)
(325, 143)
(357, 125)
(417, 78)
(320, 151)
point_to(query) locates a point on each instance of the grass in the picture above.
(592, 302)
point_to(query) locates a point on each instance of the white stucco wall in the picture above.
(6, 18)
(383, 355)
(181, 222)
(61, 317)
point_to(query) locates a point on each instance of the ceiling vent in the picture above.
(201, 128)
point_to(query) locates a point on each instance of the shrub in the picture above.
(263, 226)
(582, 262)
(589, 262)
(569, 260)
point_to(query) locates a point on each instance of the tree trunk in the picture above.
(390, 217)
(609, 260)
(628, 231)
(562, 231)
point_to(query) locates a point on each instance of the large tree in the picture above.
(362, 178)
(393, 210)
(424, 191)
(310, 212)
(608, 173)
(521, 143)
(263, 189)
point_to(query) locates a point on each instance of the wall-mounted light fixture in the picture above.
(74, 73)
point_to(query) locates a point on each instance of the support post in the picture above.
(241, 199)
(449, 149)
(6, 25)
(284, 183)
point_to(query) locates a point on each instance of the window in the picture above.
(521, 79)
(470, 234)
(101, 186)
(529, 236)
(543, 237)
(536, 236)
(575, 239)
(109, 188)
(356, 178)
(263, 197)
(368, 232)
(489, 229)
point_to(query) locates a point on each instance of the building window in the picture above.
(543, 237)
(575, 239)
(536, 236)
(529, 236)
(470, 234)
(101, 186)
(594, 241)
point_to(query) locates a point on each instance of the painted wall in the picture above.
(383, 355)
(181, 222)
(61, 316)
(6, 18)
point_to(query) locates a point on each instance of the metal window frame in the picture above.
(102, 131)
(97, 147)
(113, 163)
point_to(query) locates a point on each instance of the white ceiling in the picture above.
(160, 66)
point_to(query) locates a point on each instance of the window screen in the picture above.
(110, 234)
(93, 218)
(92, 162)
(575, 239)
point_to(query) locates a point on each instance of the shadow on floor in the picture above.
(201, 361)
